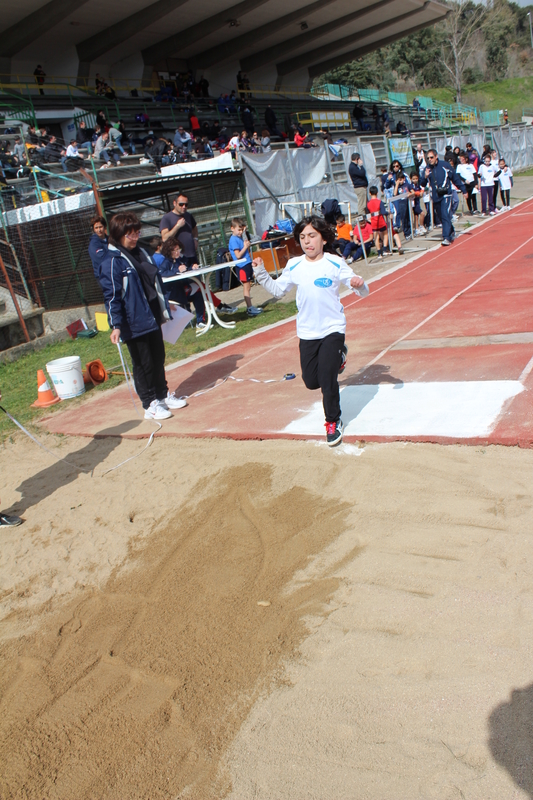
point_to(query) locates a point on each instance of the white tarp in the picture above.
(276, 174)
(225, 161)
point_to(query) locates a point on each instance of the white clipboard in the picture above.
(173, 329)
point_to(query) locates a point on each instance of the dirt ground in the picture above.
(266, 620)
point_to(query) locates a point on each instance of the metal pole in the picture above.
(530, 28)
(295, 190)
(330, 170)
(15, 301)
(222, 232)
(361, 239)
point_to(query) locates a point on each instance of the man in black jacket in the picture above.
(84, 137)
(357, 173)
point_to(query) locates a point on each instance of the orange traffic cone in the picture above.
(45, 396)
(95, 372)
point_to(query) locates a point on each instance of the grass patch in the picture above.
(514, 94)
(18, 379)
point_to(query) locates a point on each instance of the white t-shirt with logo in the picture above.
(467, 172)
(505, 178)
(486, 175)
(320, 311)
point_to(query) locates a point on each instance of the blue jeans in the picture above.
(117, 142)
(355, 250)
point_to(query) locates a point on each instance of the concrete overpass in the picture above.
(276, 43)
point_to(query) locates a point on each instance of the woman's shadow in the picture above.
(511, 737)
(60, 474)
(205, 376)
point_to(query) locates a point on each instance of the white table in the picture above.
(199, 276)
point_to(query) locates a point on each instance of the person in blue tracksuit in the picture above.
(136, 309)
(440, 176)
(98, 244)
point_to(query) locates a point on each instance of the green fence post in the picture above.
(222, 231)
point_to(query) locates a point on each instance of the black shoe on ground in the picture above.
(344, 354)
(225, 309)
(334, 433)
(10, 522)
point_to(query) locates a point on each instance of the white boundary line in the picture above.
(447, 303)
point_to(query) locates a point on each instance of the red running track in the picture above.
(441, 350)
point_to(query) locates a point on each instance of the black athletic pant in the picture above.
(471, 199)
(148, 357)
(495, 194)
(320, 360)
(505, 195)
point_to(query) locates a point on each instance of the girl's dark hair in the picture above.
(321, 226)
(121, 224)
(169, 246)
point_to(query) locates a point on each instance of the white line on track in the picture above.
(447, 303)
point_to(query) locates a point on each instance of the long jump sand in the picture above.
(266, 620)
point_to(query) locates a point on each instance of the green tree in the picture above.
(499, 30)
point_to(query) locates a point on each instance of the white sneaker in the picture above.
(175, 402)
(201, 326)
(157, 410)
(349, 260)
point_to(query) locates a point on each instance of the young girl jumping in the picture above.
(321, 323)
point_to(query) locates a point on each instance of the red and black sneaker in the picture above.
(344, 356)
(334, 433)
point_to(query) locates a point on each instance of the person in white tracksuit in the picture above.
(321, 323)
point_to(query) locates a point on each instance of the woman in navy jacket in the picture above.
(136, 309)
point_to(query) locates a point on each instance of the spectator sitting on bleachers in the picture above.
(265, 141)
(115, 137)
(103, 151)
(222, 104)
(53, 151)
(235, 142)
(183, 140)
(246, 143)
(181, 292)
(84, 136)
(302, 140)
(19, 151)
(73, 159)
(8, 163)
(33, 136)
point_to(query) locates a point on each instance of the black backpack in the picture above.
(225, 278)
(330, 210)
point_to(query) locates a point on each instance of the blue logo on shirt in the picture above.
(323, 282)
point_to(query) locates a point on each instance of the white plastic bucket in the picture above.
(67, 377)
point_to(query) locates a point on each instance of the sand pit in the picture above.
(266, 620)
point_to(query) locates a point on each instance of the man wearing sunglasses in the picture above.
(179, 223)
(440, 175)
